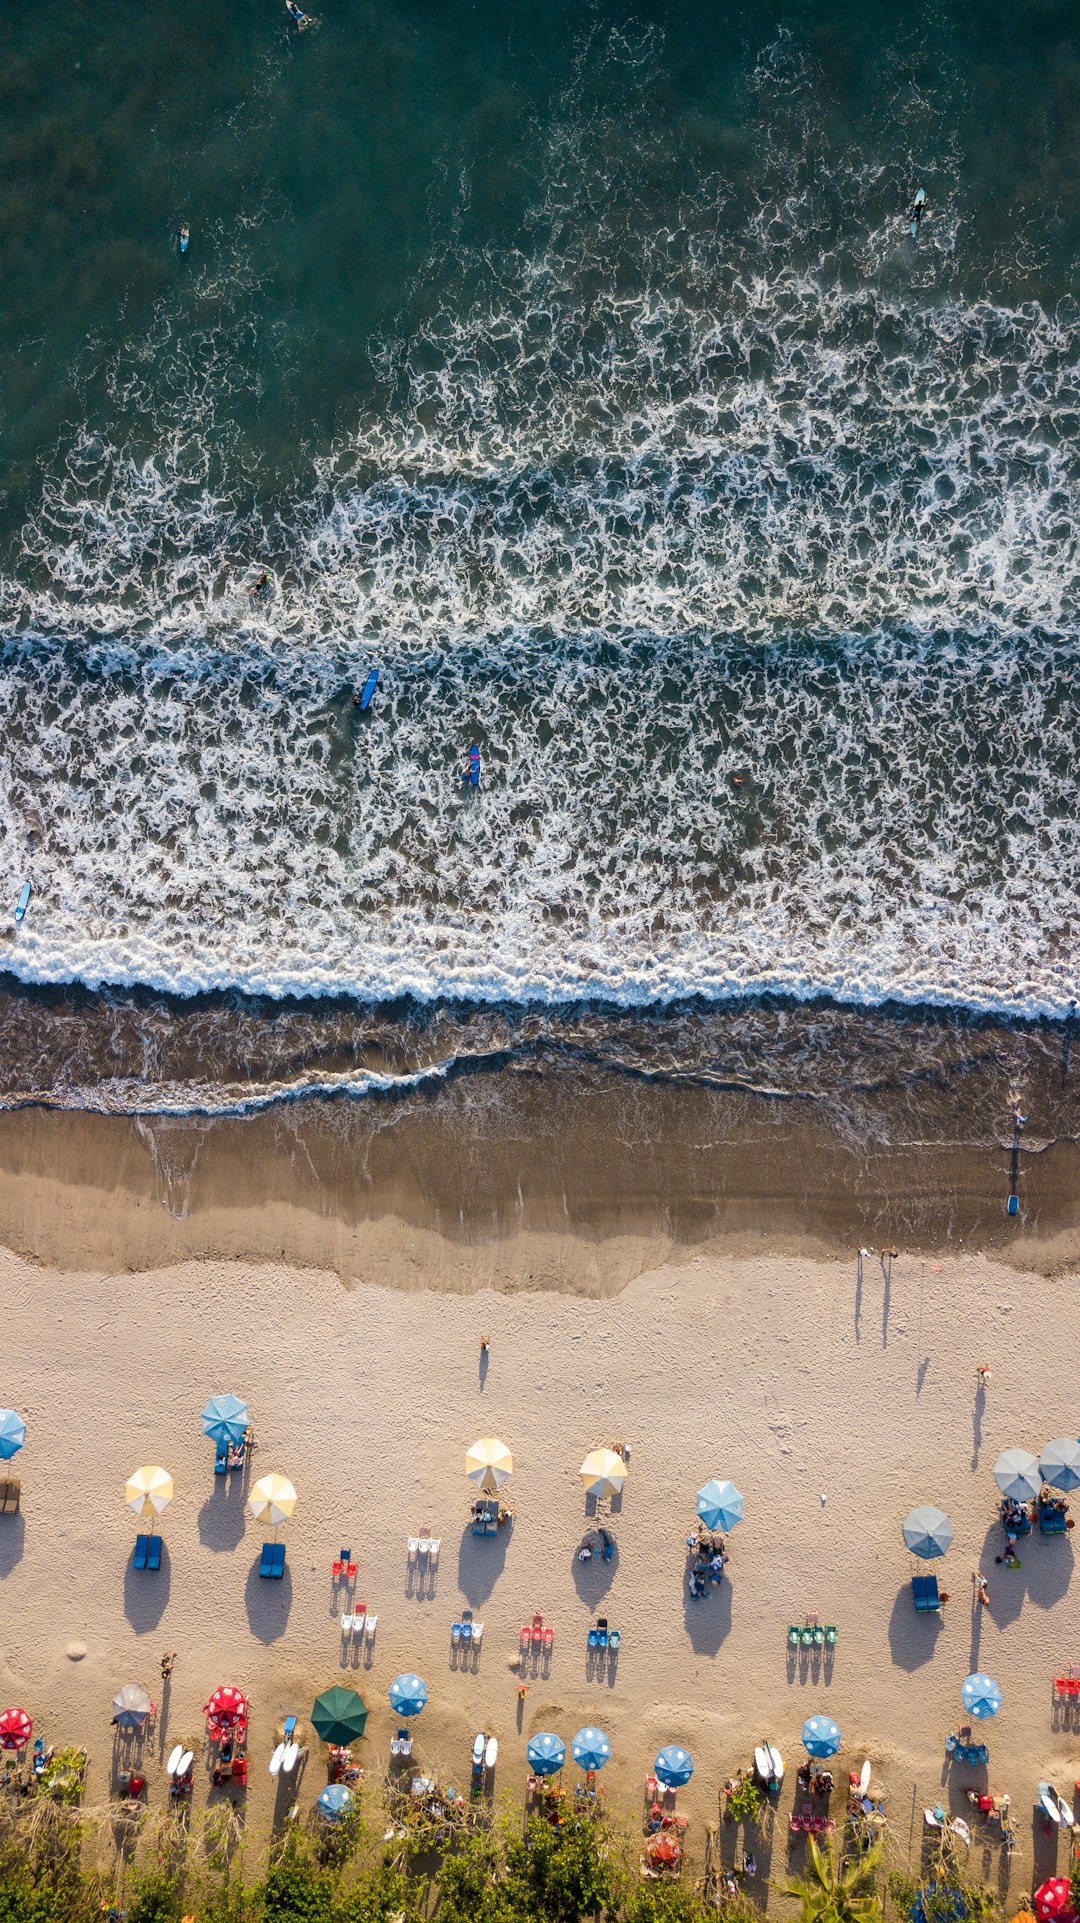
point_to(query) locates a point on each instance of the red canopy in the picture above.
(15, 1729)
(1052, 1899)
(227, 1706)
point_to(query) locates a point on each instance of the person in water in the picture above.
(181, 237)
(261, 584)
(297, 13)
(918, 209)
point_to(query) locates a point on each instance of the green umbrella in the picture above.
(338, 1715)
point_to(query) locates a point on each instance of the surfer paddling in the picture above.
(262, 585)
(916, 212)
(297, 13)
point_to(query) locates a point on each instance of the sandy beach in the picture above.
(834, 1405)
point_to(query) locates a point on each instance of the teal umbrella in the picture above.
(719, 1505)
(928, 1532)
(821, 1736)
(590, 1749)
(547, 1754)
(12, 1433)
(1060, 1463)
(225, 1419)
(674, 1766)
(338, 1715)
(980, 1696)
(408, 1694)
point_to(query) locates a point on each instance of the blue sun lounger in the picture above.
(142, 1544)
(1051, 1519)
(221, 1460)
(272, 1560)
(924, 1590)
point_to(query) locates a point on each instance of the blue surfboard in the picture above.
(474, 766)
(368, 689)
(23, 902)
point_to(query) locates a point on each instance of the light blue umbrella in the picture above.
(821, 1736)
(12, 1433)
(1060, 1463)
(546, 1754)
(719, 1505)
(980, 1696)
(590, 1749)
(408, 1694)
(928, 1532)
(674, 1766)
(225, 1419)
(1016, 1473)
(334, 1800)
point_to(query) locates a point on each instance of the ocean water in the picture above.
(574, 365)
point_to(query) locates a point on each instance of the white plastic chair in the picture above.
(424, 1545)
(347, 1621)
(358, 1621)
(455, 1634)
(369, 1628)
(477, 1634)
(414, 1548)
(434, 1546)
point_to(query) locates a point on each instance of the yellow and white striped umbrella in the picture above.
(603, 1473)
(272, 1499)
(149, 1491)
(488, 1463)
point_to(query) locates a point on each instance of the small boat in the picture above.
(368, 690)
(173, 1763)
(276, 1759)
(23, 902)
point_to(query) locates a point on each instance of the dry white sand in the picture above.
(777, 1372)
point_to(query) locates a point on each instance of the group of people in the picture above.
(708, 1557)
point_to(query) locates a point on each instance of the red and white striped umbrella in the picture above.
(16, 1729)
(227, 1706)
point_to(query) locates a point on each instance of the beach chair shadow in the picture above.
(912, 1635)
(146, 1593)
(708, 1618)
(12, 1541)
(221, 1516)
(267, 1604)
(481, 1560)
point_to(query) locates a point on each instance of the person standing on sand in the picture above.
(982, 1590)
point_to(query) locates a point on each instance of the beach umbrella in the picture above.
(488, 1463)
(1016, 1473)
(980, 1696)
(1053, 1899)
(408, 1694)
(674, 1766)
(12, 1433)
(603, 1473)
(590, 1749)
(131, 1707)
(339, 1715)
(928, 1532)
(16, 1729)
(820, 1736)
(334, 1801)
(149, 1491)
(225, 1419)
(1059, 1463)
(719, 1505)
(272, 1499)
(546, 1754)
(227, 1706)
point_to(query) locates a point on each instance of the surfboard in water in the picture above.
(920, 203)
(23, 902)
(368, 690)
(474, 766)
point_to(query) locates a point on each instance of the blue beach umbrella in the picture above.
(1016, 1473)
(1060, 1463)
(821, 1736)
(719, 1505)
(12, 1433)
(225, 1419)
(334, 1800)
(408, 1694)
(546, 1754)
(590, 1749)
(980, 1696)
(674, 1766)
(928, 1532)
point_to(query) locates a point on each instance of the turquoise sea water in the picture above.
(575, 365)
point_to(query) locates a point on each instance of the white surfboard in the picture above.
(478, 1748)
(777, 1762)
(288, 1761)
(173, 1763)
(491, 1754)
(1067, 1816)
(185, 1762)
(763, 1764)
(1049, 1803)
(864, 1777)
(276, 1759)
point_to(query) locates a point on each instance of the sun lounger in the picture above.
(423, 1546)
(537, 1631)
(434, 1546)
(1051, 1519)
(793, 1635)
(614, 1638)
(594, 1638)
(806, 1636)
(601, 1627)
(455, 1635)
(221, 1460)
(466, 1625)
(359, 1618)
(819, 1636)
(142, 1544)
(153, 1552)
(346, 1620)
(924, 1592)
(10, 1491)
(830, 1635)
(272, 1560)
(549, 1638)
(414, 1548)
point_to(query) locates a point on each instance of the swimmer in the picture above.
(181, 236)
(297, 13)
(261, 584)
(917, 210)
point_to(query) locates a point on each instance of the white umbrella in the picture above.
(272, 1499)
(149, 1491)
(1016, 1473)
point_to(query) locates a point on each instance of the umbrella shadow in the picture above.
(912, 1635)
(708, 1618)
(12, 1542)
(1007, 1586)
(146, 1593)
(222, 1515)
(1051, 1573)
(481, 1560)
(268, 1601)
(593, 1579)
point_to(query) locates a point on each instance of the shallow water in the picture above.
(577, 368)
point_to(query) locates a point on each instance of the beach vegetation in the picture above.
(835, 1888)
(745, 1800)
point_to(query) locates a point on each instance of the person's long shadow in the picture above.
(886, 1300)
(858, 1295)
(485, 1363)
(221, 1518)
(268, 1600)
(708, 1618)
(977, 1414)
(146, 1593)
(12, 1543)
(912, 1633)
(480, 1562)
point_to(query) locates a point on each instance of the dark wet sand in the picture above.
(528, 1181)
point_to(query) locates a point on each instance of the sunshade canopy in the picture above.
(228, 1705)
(225, 1419)
(720, 1505)
(272, 1499)
(590, 1748)
(12, 1433)
(1059, 1463)
(339, 1715)
(674, 1766)
(603, 1473)
(408, 1694)
(334, 1801)
(149, 1491)
(1016, 1473)
(1053, 1899)
(928, 1531)
(488, 1463)
(131, 1706)
(547, 1753)
(980, 1696)
(16, 1729)
(820, 1736)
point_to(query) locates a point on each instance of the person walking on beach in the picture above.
(167, 1662)
(982, 1589)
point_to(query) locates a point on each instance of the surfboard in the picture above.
(173, 1763)
(1048, 1802)
(864, 1778)
(491, 1754)
(762, 1765)
(185, 1762)
(474, 766)
(288, 1761)
(368, 690)
(777, 1762)
(1067, 1816)
(276, 1759)
(478, 1748)
(920, 201)
(23, 902)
